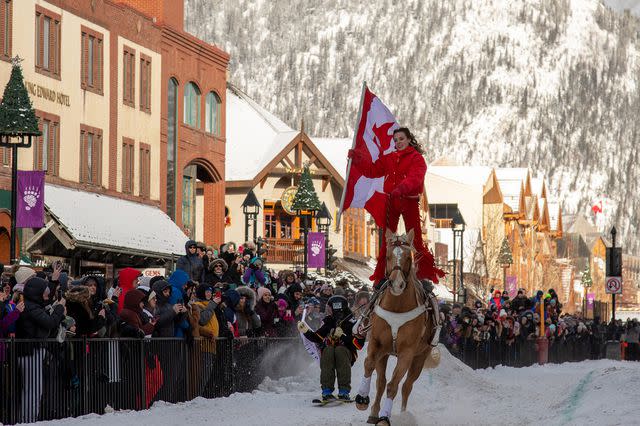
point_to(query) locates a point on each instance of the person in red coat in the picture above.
(403, 171)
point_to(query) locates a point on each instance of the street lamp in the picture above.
(458, 226)
(18, 126)
(250, 208)
(323, 219)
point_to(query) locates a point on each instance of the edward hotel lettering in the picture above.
(48, 94)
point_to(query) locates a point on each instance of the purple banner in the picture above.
(315, 250)
(512, 286)
(30, 199)
(591, 297)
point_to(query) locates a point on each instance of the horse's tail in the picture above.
(433, 360)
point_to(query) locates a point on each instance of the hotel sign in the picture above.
(48, 94)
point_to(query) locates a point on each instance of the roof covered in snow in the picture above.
(512, 173)
(111, 222)
(537, 187)
(511, 193)
(554, 215)
(335, 150)
(254, 136)
(468, 175)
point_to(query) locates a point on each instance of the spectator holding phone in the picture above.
(248, 321)
(267, 310)
(218, 275)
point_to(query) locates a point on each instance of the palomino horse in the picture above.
(401, 325)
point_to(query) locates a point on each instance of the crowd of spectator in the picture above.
(505, 331)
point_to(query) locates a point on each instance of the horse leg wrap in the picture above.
(386, 407)
(365, 386)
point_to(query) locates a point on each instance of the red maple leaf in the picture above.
(381, 138)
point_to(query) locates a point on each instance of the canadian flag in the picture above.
(374, 134)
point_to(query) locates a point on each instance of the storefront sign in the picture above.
(48, 94)
(154, 272)
(287, 199)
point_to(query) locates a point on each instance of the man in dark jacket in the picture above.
(191, 263)
(340, 347)
(35, 323)
(165, 313)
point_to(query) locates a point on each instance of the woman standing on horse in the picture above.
(403, 171)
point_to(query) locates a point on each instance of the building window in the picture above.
(192, 105)
(6, 25)
(145, 170)
(213, 114)
(129, 76)
(47, 42)
(128, 146)
(46, 152)
(145, 83)
(90, 155)
(172, 120)
(92, 64)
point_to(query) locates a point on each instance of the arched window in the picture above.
(172, 145)
(192, 105)
(213, 121)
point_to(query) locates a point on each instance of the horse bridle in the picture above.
(397, 267)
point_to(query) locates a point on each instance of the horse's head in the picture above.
(399, 260)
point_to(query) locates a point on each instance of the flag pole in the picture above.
(353, 144)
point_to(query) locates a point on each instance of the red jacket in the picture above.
(404, 171)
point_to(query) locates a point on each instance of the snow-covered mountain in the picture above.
(549, 84)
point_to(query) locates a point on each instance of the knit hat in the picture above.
(262, 291)
(23, 274)
(144, 281)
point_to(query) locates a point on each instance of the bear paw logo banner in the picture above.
(30, 206)
(315, 249)
(374, 136)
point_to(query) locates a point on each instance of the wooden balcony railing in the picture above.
(443, 223)
(284, 251)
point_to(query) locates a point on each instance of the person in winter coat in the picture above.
(218, 275)
(165, 312)
(496, 300)
(79, 307)
(246, 317)
(253, 276)
(326, 293)
(35, 323)
(404, 169)
(127, 280)
(132, 315)
(340, 347)
(231, 298)
(267, 310)
(294, 299)
(180, 295)
(191, 263)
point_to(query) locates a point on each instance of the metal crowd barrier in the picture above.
(523, 353)
(46, 380)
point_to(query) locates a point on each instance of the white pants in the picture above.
(31, 367)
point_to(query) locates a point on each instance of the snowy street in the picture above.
(592, 392)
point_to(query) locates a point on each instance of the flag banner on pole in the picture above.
(373, 137)
(30, 199)
(311, 347)
(315, 250)
(512, 286)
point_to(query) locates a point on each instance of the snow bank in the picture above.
(591, 392)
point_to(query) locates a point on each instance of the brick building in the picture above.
(132, 111)
(193, 123)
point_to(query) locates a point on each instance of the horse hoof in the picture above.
(362, 402)
(383, 421)
(372, 420)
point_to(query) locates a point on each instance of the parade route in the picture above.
(591, 392)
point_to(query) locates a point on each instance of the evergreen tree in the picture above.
(306, 197)
(587, 281)
(505, 257)
(16, 112)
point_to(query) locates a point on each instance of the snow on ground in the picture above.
(592, 392)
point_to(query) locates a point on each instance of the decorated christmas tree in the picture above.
(587, 281)
(505, 257)
(306, 197)
(17, 116)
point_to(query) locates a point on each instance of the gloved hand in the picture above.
(338, 333)
(396, 193)
(303, 327)
(356, 156)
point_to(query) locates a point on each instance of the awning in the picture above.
(84, 220)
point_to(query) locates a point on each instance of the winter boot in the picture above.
(327, 394)
(343, 395)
